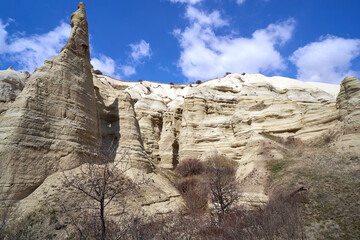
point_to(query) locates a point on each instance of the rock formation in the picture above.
(53, 121)
(348, 104)
(119, 127)
(229, 115)
(65, 113)
(189, 120)
(11, 84)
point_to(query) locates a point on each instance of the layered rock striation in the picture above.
(53, 122)
(64, 114)
(185, 121)
(11, 85)
(348, 104)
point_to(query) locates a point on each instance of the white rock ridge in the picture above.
(229, 115)
(65, 111)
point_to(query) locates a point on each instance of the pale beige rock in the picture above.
(64, 112)
(169, 139)
(227, 115)
(224, 113)
(118, 125)
(53, 120)
(348, 103)
(155, 195)
(11, 84)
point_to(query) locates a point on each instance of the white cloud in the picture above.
(30, 52)
(206, 55)
(328, 60)
(3, 36)
(212, 19)
(105, 64)
(108, 67)
(140, 50)
(240, 1)
(128, 70)
(186, 1)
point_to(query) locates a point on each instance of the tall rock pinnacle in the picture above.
(79, 37)
(53, 123)
(348, 104)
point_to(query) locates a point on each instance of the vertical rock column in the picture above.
(53, 122)
(169, 142)
(120, 131)
(348, 103)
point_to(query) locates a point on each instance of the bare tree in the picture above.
(100, 182)
(221, 179)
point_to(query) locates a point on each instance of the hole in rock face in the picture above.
(86, 47)
(175, 160)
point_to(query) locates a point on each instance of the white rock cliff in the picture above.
(64, 112)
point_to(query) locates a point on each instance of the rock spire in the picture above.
(53, 122)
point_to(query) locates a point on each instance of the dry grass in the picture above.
(333, 184)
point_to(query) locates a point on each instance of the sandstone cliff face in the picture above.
(64, 116)
(11, 85)
(53, 120)
(229, 115)
(119, 127)
(348, 104)
(65, 113)
(184, 121)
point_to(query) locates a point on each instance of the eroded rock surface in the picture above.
(66, 112)
(348, 104)
(229, 115)
(223, 114)
(11, 84)
(53, 121)
(64, 116)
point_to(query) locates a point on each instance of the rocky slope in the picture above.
(64, 113)
(228, 115)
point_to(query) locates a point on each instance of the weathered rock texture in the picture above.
(183, 121)
(11, 84)
(229, 115)
(348, 104)
(53, 120)
(119, 127)
(65, 113)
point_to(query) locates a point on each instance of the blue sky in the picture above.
(186, 40)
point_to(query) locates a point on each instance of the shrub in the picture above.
(195, 193)
(190, 167)
(198, 82)
(279, 219)
(98, 72)
(227, 73)
(171, 83)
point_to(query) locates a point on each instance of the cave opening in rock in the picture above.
(175, 160)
